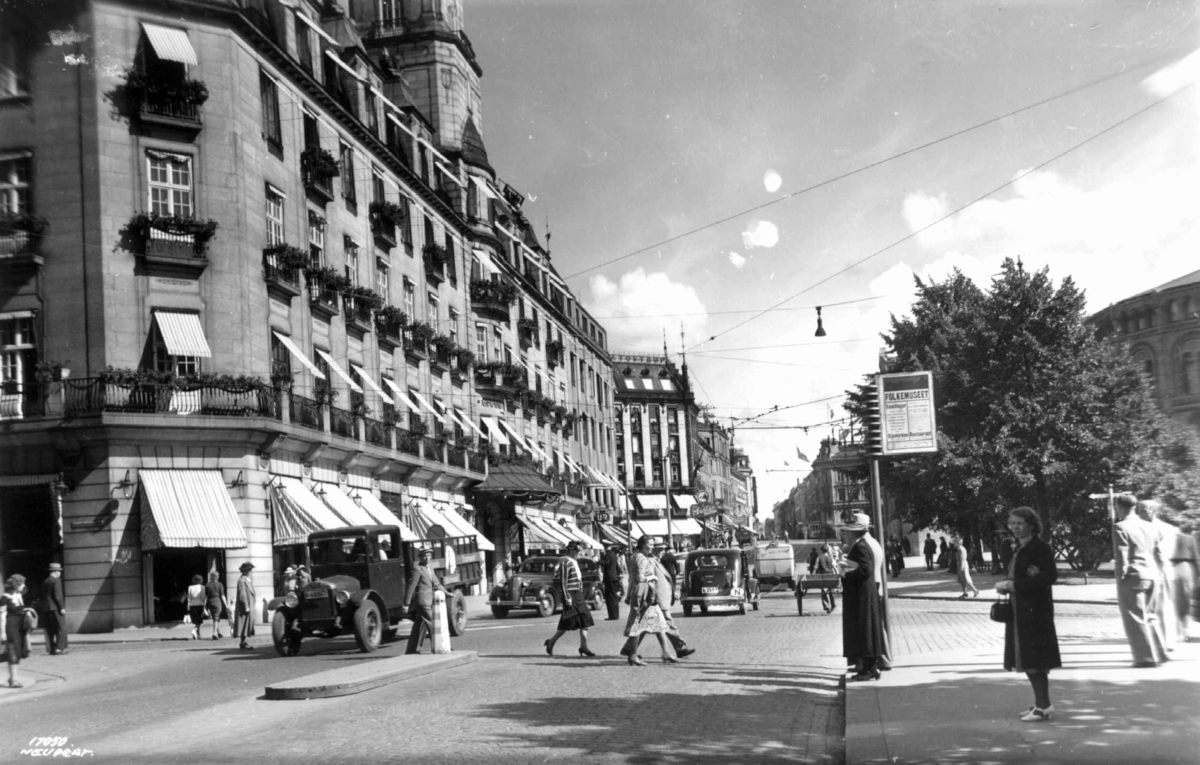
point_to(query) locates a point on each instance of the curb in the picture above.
(364, 677)
(893, 596)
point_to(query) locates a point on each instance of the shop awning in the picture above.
(652, 501)
(556, 530)
(614, 534)
(345, 508)
(536, 535)
(188, 508)
(371, 383)
(425, 403)
(171, 44)
(517, 482)
(428, 522)
(495, 432)
(384, 516)
(684, 501)
(463, 527)
(401, 395)
(657, 527)
(337, 370)
(298, 512)
(299, 355)
(182, 333)
(579, 535)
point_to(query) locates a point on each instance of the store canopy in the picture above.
(579, 535)
(337, 370)
(614, 534)
(188, 508)
(297, 512)
(428, 522)
(171, 44)
(657, 527)
(536, 534)
(299, 356)
(684, 501)
(345, 508)
(517, 482)
(462, 527)
(182, 333)
(652, 501)
(384, 516)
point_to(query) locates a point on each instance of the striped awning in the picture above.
(345, 508)
(298, 512)
(339, 371)
(188, 508)
(652, 501)
(536, 535)
(494, 431)
(182, 333)
(299, 354)
(171, 44)
(429, 523)
(614, 534)
(401, 396)
(371, 383)
(464, 528)
(578, 534)
(384, 516)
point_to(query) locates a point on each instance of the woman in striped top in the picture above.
(575, 614)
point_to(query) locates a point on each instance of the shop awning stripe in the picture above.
(171, 44)
(188, 508)
(299, 356)
(182, 334)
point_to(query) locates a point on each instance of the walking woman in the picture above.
(196, 601)
(964, 570)
(243, 608)
(1030, 640)
(217, 604)
(644, 613)
(575, 614)
(13, 605)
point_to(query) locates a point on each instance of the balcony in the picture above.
(501, 379)
(385, 217)
(377, 432)
(281, 273)
(389, 328)
(386, 28)
(357, 313)
(341, 422)
(324, 284)
(492, 299)
(415, 348)
(318, 168)
(21, 240)
(554, 353)
(440, 354)
(432, 449)
(435, 258)
(527, 330)
(408, 442)
(171, 245)
(140, 394)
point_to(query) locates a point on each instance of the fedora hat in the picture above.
(56, 567)
(859, 522)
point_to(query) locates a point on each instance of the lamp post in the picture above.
(667, 486)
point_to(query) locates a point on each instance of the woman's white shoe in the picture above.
(1037, 715)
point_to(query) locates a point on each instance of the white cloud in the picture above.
(772, 181)
(737, 260)
(762, 233)
(653, 302)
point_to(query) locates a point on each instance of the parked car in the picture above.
(537, 584)
(359, 578)
(719, 577)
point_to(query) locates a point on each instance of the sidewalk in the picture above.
(962, 707)
(918, 584)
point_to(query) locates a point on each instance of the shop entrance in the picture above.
(29, 536)
(168, 571)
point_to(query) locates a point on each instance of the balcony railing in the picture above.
(341, 422)
(387, 28)
(159, 105)
(408, 442)
(91, 395)
(433, 449)
(357, 313)
(377, 432)
(306, 412)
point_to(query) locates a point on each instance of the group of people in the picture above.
(651, 573)
(207, 599)
(18, 620)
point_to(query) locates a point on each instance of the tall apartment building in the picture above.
(248, 253)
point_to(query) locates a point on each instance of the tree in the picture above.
(1032, 409)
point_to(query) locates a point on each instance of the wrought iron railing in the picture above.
(433, 449)
(409, 443)
(376, 431)
(306, 412)
(90, 395)
(341, 422)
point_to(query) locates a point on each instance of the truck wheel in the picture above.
(687, 609)
(456, 611)
(547, 605)
(286, 642)
(499, 611)
(368, 627)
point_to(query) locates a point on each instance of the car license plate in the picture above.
(313, 594)
(710, 590)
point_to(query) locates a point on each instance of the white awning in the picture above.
(578, 533)
(485, 261)
(652, 501)
(446, 412)
(298, 512)
(595, 476)
(512, 432)
(314, 27)
(171, 44)
(339, 371)
(287, 343)
(551, 530)
(425, 403)
(483, 187)
(425, 517)
(685, 501)
(463, 416)
(188, 508)
(371, 383)
(495, 431)
(384, 516)
(346, 508)
(334, 58)
(464, 528)
(182, 333)
(400, 394)
(449, 174)
(657, 527)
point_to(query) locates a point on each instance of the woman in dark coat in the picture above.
(862, 617)
(1030, 640)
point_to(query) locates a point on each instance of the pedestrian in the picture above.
(825, 565)
(862, 617)
(1030, 639)
(196, 602)
(1164, 547)
(610, 569)
(897, 557)
(575, 614)
(243, 607)
(303, 576)
(930, 551)
(664, 592)
(943, 560)
(53, 611)
(12, 608)
(964, 570)
(1184, 560)
(644, 615)
(906, 546)
(813, 557)
(290, 581)
(217, 604)
(671, 565)
(1138, 578)
(422, 583)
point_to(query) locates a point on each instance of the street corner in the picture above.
(346, 681)
(32, 681)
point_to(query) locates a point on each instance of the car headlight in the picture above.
(341, 596)
(290, 600)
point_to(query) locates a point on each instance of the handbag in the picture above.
(1001, 611)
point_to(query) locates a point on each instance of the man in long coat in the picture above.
(610, 567)
(54, 611)
(862, 615)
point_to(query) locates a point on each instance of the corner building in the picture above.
(246, 250)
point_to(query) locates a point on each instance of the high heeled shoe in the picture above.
(636, 661)
(670, 660)
(549, 647)
(586, 652)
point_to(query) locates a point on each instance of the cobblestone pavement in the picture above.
(762, 687)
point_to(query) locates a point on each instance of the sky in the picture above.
(699, 162)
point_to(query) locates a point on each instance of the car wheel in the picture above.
(286, 643)
(597, 600)
(456, 610)
(368, 627)
(499, 611)
(547, 605)
(687, 609)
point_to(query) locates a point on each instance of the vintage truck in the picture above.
(359, 578)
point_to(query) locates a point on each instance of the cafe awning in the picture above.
(651, 501)
(384, 516)
(346, 508)
(537, 535)
(188, 508)
(297, 512)
(462, 527)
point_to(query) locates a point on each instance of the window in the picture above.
(165, 361)
(454, 327)
(406, 227)
(451, 267)
(170, 184)
(312, 133)
(410, 300)
(274, 216)
(347, 158)
(372, 112)
(269, 95)
(433, 309)
(481, 342)
(14, 183)
(14, 61)
(316, 240)
(377, 190)
(497, 344)
(281, 360)
(381, 278)
(351, 248)
(17, 355)
(303, 44)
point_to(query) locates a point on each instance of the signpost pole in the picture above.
(667, 486)
(877, 519)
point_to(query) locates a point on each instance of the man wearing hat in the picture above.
(610, 567)
(243, 610)
(419, 596)
(862, 614)
(53, 611)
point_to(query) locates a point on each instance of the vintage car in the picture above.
(359, 578)
(719, 577)
(537, 584)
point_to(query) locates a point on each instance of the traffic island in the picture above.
(347, 681)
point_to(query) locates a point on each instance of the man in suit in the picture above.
(54, 611)
(862, 618)
(610, 567)
(419, 596)
(1138, 584)
(1149, 510)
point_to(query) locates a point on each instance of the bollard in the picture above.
(441, 625)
